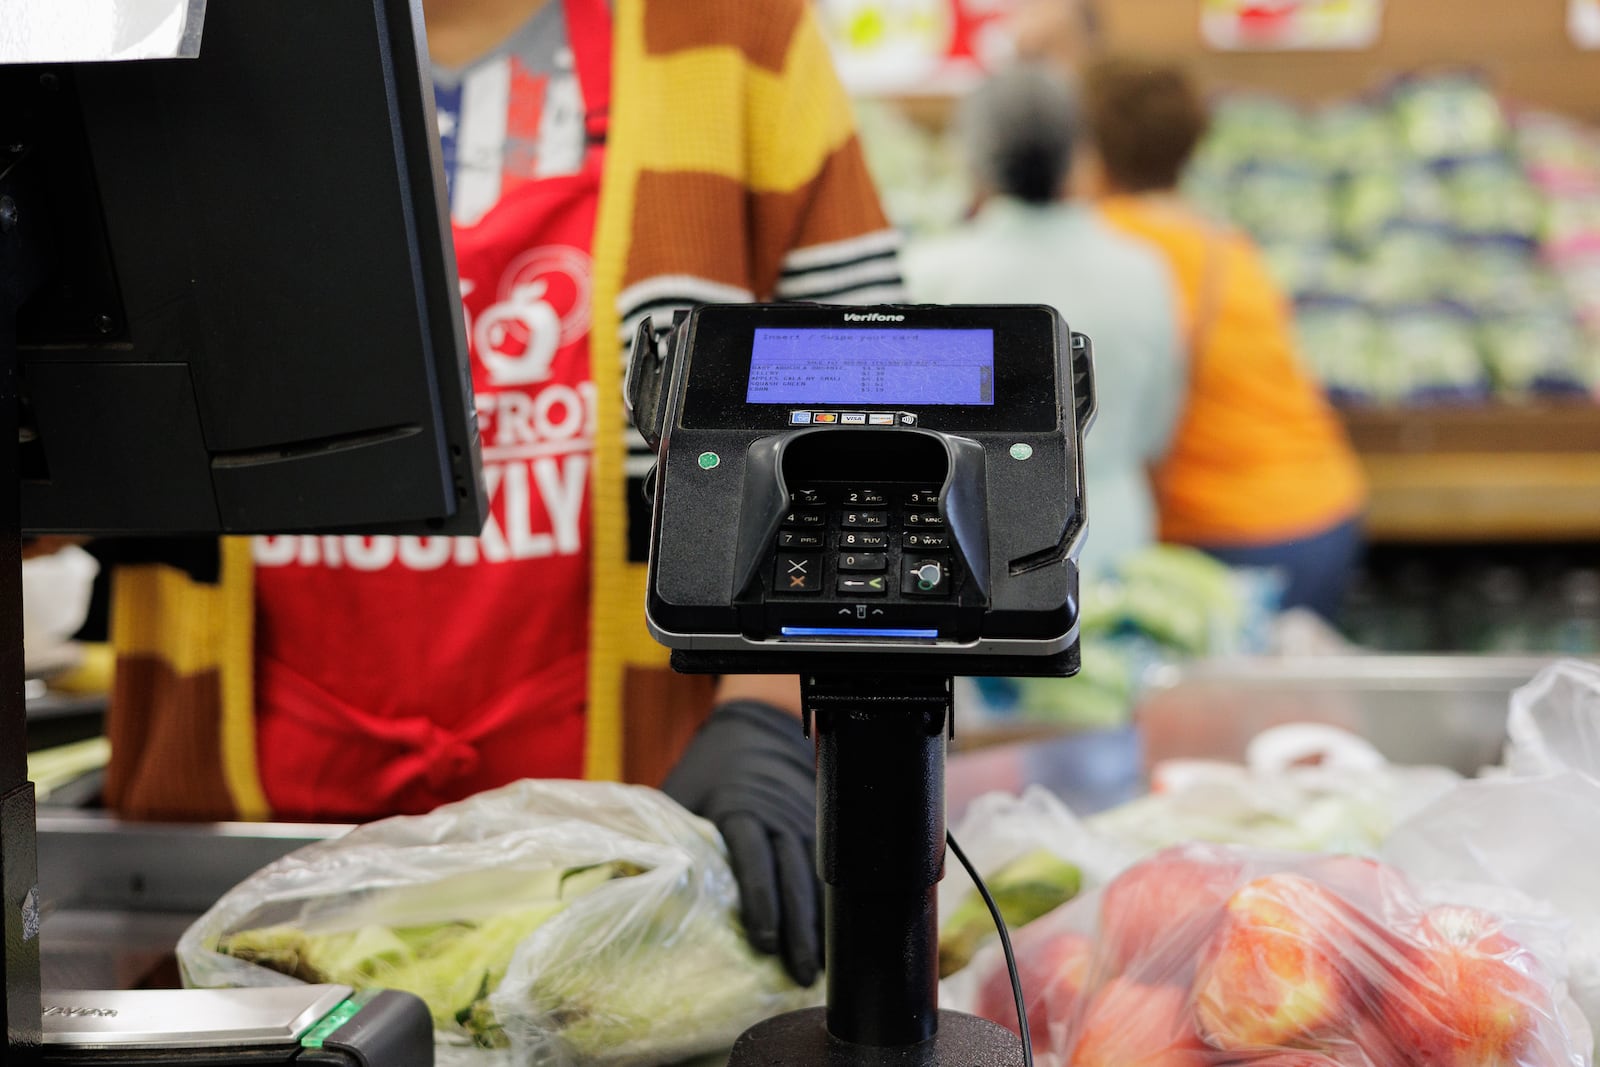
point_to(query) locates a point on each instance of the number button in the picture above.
(851, 539)
(867, 498)
(808, 498)
(797, 573)
(805, 518)
(791, 539)
(863, 562)
(924, 520)
(925, 540)
(865, 520)
(922, 498)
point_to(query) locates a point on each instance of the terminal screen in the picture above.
(871, 368)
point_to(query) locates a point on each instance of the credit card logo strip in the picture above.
(880, 418)
(853, 418)
(825, 418)
(799, 418)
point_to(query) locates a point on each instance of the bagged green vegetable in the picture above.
(544, 923)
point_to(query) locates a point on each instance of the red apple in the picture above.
(1156, 916)
(1464, 997)
(1274, 976)
(1131, 1025)
(1053, 969)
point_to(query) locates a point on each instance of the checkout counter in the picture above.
(117, 894)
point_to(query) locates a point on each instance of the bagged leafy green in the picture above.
(1492, 197)
(546, 922)
(1448, 117)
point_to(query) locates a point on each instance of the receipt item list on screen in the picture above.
(872, 367)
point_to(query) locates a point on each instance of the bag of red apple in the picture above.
(1475, 845)
(1211, 956)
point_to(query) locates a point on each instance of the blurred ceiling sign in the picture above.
(891, 47)
(93, 31)
(1583, 22)
(1291, 25)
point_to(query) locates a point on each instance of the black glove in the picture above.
(751, 771)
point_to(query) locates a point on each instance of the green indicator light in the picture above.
(1021, 451)
(330, 1022)
(708, 460)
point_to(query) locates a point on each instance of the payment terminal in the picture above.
(899, 480)
(875, 499)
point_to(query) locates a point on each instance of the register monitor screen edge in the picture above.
(282, 347)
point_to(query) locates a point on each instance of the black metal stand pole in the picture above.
(880, 844)
(19, 894)
(880, 851)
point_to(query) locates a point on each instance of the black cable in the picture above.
(1005, 945)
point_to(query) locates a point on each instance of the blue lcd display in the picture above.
(871, 368)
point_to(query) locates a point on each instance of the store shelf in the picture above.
(1481, 474)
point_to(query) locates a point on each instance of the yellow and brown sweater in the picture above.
(732, 173)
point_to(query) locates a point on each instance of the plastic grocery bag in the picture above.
(1348, 800)
(1033, 854)
(1532, 843)
(1206, 955)
(1555, 722)
(555, 922)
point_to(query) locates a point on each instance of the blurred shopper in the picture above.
(1029, 244)
(1260, 472)
(606, 159)
(1062, 33)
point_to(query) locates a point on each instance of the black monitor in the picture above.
(228, 304)
(249, 318)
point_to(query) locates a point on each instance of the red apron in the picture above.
(395, 674)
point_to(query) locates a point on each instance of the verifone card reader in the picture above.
(849, 494)
(899, 479)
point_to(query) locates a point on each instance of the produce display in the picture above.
(1438, 249)
(1208, 955)
(1562, 158)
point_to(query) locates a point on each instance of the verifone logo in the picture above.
(872, 316)
(73, 1011)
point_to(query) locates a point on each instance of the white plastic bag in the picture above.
(566, 922)
(1000, 827)
(1536, 838)
(1555, 722)
(1346, 801)
(1033, 854)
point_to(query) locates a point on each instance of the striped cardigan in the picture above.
(732, 173)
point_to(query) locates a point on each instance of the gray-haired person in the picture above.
(1029, 242)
